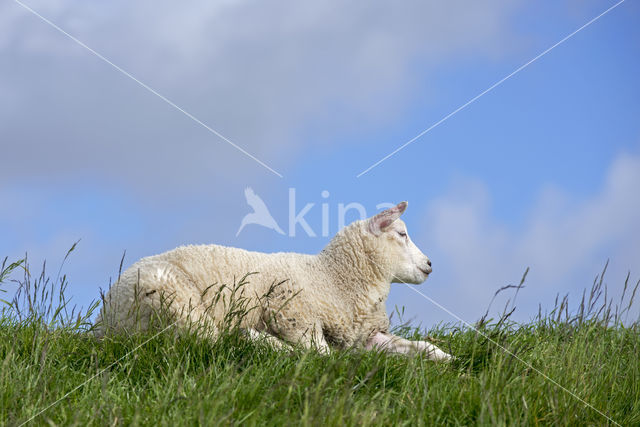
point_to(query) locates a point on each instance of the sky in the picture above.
(121, 149)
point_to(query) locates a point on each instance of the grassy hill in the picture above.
(563, 368)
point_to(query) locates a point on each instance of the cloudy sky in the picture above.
(542, 171)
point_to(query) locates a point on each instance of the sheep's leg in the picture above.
(175, 293)
(395, 344)
(143, 296)
(292, 329)
(318, 342)
(255, 335)
(314, 338)
(310, 337)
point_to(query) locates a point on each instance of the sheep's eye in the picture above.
(402, 234)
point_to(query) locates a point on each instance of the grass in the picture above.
(55, 373)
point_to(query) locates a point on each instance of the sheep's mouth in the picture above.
(425, 272)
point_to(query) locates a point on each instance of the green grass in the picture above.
(47, 352)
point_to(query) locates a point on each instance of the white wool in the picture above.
(333, 299)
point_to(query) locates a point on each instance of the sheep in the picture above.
(335, 299)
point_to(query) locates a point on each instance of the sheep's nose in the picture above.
(429, 262)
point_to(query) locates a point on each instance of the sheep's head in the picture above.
(393, 246)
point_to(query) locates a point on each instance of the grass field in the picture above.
(563, 368)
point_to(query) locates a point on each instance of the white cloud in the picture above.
(260, 73)
(564, 241)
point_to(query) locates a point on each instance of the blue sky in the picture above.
(542, 171)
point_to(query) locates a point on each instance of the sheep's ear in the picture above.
(380, 222)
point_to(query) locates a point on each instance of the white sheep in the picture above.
(333, 299)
